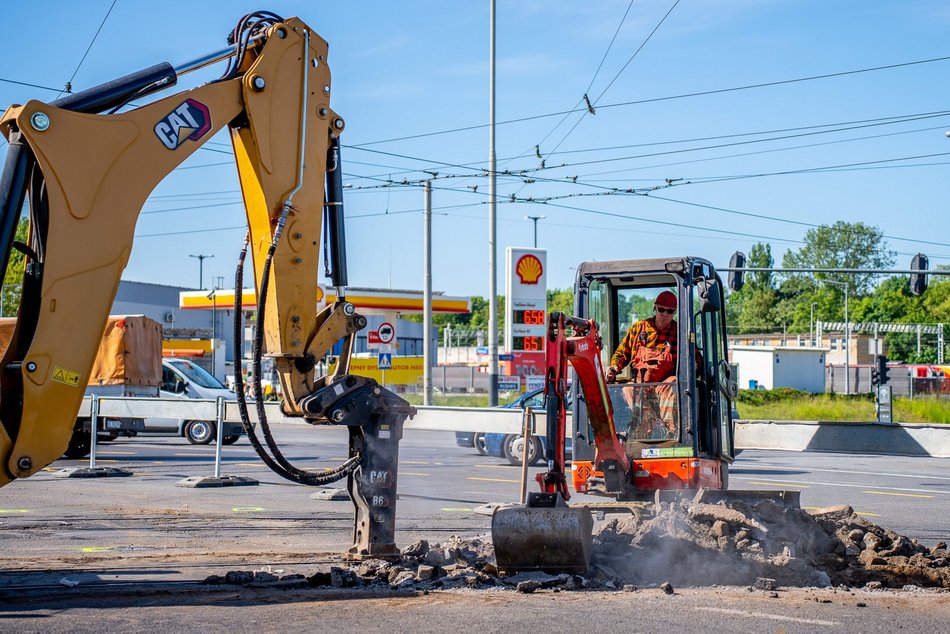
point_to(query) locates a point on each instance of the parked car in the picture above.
(182, 378)
(510, 446)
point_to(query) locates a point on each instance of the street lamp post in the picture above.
(811, 325)
(492, 229)
(847, 337)
(201, 261)
(213, 296)
(535, 219)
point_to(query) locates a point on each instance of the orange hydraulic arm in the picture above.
(87, 169)
(582, 349)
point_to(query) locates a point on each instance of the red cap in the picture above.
(666, 299)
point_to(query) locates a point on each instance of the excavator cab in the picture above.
(675, 422)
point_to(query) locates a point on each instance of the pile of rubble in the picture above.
(695, 542)
(685, 543)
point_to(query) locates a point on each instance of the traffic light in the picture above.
(880, 371)
(737, 261)
(918, 281)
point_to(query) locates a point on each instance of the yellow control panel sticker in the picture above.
(62, 375)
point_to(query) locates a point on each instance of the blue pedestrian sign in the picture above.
(385, 361)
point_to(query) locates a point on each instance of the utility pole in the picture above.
(535, 219)
(427, 295)
(492, 265)
(201, 261)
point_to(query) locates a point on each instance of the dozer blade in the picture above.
(787, 498)
(553, 539)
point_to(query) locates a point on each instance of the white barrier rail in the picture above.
(869, 437)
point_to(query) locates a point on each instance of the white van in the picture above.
(182, 378)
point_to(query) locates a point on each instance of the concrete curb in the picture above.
(906, 439)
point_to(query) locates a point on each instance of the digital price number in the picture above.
(528, 344)
(529, 317)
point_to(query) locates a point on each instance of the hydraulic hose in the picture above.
(278, 463)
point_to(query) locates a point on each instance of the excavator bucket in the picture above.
(553, 539)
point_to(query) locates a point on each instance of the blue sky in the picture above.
(406, 70)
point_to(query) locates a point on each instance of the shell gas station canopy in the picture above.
(368, 301)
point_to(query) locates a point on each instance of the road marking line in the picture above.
(96, 549)
(14, 511)
(762, 615)
(906, 495)
(875, 473)
(247, 509)
(494, 466)
(815, 508)
(847, 486)
(780, 484)
(116, 453)
(493, 480)
(404, 473)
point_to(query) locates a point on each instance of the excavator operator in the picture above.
(650, 348)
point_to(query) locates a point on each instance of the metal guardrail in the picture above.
(505, 421)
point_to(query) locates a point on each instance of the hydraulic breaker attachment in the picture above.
(375, 418)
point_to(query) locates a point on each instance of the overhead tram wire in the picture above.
(722, 157)
(592, 105)
(859, 124)
(880, 120)
(69, 84)
(648, 193)
(651, 194)
(666, 98)
(734, 234)
(596, 102)
(713, 147)
(587, 91)
(695, 227)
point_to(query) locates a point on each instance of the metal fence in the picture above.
(901, 380)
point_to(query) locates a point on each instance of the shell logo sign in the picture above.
(529, 269)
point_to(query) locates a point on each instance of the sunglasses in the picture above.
(668, 311)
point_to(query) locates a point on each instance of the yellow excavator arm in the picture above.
(87, 169)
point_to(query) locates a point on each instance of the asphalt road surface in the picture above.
(121, 538)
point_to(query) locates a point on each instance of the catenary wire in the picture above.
(668, 98)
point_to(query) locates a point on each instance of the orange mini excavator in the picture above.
(636, 435)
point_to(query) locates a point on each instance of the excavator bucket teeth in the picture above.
(555, 539)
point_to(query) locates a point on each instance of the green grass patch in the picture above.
(780, 404)
(788, 404)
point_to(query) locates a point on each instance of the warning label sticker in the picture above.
(62, 375)
(666, 452)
